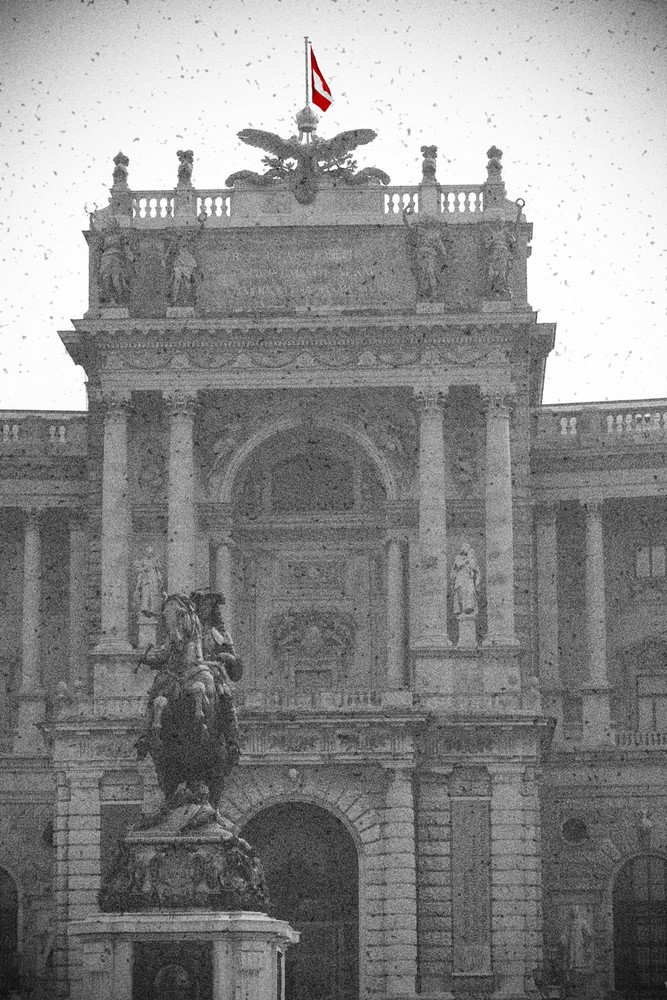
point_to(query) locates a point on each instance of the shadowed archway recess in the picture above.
(640, 927)
(312, 871)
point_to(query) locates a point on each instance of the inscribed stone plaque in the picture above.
(297, 268)
(173, 970)
(471, 887)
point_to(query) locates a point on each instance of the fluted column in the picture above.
(32, 696)
(432, 581)
(597, 718)
(181, 518)
(395, 614)
(116, 522)
(77, 582)
(547, 613)
(224, 576)
(499, 524)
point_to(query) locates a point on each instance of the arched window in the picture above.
(311, 867)
(9, 940)
(640, 927)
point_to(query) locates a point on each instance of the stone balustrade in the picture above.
(160, 208)
(36, 433)
(599, 424)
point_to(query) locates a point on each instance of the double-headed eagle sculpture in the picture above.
(312, 158)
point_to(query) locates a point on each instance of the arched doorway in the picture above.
(311, 868)
(640, 927)
(9, 940)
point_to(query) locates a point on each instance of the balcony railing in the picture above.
(601, 424)
(55, 433)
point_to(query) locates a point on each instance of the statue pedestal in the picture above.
(211, 955)
(467, 631)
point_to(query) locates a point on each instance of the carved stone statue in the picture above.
(577, 941)
(310, 159)
(500, 243)
(185, 163)
(430, 154)
(465, 578)
(427, 252)
(148, 593)
(183, 272)
(115, 263)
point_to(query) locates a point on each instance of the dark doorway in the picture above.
(9, 940)
(640, 928)
(311, 868)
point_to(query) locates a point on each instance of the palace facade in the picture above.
(323, 397)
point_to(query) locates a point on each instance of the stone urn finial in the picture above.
(121, 163)
(494, 167)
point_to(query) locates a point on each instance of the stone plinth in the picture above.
(208, 954)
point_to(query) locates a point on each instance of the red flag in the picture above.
(319, 88)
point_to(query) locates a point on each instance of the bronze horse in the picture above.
(191, 731)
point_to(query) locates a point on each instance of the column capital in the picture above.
(497, 401)
(180, 402)
(113, 401)
(32, 517)
(430, 400)
(592, 508)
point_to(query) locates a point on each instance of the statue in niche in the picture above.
(191, 730)
(185, 163)
(116, 260)
(465, 578)
(183, 271)
(430, 154)
(577, 940)
(148, 589)
(310, 159)
(427, 252)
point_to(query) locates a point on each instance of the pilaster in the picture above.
(547, 613)
(181, 517)
(597, 716)
(77, 597)
(32, 696)
(396, 623)
(499, 523)
(400, 904)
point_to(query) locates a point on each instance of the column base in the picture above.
(113, 647)
(501, 642)
(597, 717)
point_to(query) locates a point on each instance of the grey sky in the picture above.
(573, 92)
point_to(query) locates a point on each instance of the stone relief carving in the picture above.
(426, 244)
(397, 438)
(302, 164)
(313, 632)
(215, 458)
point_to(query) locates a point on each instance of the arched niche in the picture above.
(639, 902)
(312, 870)
(306, 471)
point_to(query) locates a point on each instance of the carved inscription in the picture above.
(471, 887)
(300, 268)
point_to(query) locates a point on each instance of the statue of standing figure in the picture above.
(116, 264)
(148, 590)
(465, 577)
(500, 243)
(427, 252)
(183, 270)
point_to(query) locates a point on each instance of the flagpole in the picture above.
(305, 42)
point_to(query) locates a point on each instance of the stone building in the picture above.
(321, 394)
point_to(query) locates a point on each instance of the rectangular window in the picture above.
(650, 561)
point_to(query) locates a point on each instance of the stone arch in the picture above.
(352, 806)
(638, 907)
(264, 434)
